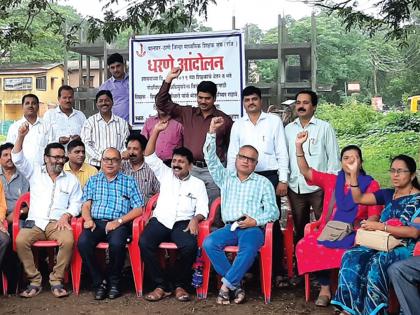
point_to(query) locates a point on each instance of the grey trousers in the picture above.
(4, 243)
(405, 277)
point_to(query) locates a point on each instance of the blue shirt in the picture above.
(112, 199)
(254, 196)
(120, 94)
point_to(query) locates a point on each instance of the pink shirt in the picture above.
(168, 140)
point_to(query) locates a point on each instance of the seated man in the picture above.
(111, 200)
(246, 196)
(55, 199)
(135, 166)
(182, 204)
(76, 163)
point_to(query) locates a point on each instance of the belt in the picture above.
(200, 164)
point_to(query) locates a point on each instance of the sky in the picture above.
(261, 12)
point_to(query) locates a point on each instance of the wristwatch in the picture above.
(120, 221)
(283, 181)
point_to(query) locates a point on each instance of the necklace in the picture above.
(394, 196)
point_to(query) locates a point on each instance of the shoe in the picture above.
(114, 292)
(323, 301)
(101, 291)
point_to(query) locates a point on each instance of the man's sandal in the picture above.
(182, 295)
(58, 291)
(223, 297)
(239, 296)
(156, 295)
(31, 291)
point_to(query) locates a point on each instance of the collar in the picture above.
(125, 78)
(68, 168)
(58, 110)
(38, 120)
(99, 117)
(15, 174)
(251, 176)
(199, 113)
(102, 176)
(263, 116)
(312, 121)
(44, 170)
(185, 178)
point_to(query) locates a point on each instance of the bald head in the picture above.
(111, 162)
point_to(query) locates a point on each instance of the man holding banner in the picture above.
(196, 122)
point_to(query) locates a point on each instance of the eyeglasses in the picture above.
(58, 157)
(398, 171)
(110, 161)
(246, 158)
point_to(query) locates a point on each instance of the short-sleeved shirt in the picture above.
(84, 173)
(13, 189)
(112, 199)
(327, 183)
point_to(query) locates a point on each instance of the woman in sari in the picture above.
(313, 254)
(363, 280)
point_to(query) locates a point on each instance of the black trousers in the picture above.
(278, 248)
(156, 233)
(117, 240)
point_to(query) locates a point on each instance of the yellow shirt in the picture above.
(3, 205)
(85, 172)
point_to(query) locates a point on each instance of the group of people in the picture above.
(100, 169)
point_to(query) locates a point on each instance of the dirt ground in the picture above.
(284, 301)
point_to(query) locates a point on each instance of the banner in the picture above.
(210, 56)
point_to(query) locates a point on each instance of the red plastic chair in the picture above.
(266, 263)
(3, 276)
(25, 199)
(133, 252)
(204, 230)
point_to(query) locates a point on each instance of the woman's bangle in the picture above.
(354, 185)
(385, 227)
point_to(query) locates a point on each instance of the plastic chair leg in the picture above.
(76, 270)
(4, 282)
(134, 253)
(307, 287)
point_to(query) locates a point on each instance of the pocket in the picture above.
(62, 200)
(187, 202)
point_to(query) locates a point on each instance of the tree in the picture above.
(164, 15)
(397, 18)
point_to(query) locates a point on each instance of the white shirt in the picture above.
(36, 140)
(98, 135)
(321, 152)
(178, 199)
(267, 136)
(63, 125)
(49, 200)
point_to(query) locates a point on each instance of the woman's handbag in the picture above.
(335, 231)
(378, 240)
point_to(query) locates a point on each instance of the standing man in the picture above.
(76, 164)
(135, 166)
(264, 132)
(118, 85)
(55, 199)
(246, 196)
(39, 134)
(111, 200)
(196, 122)
(181, 205)
(169, 139)
(103, 130)
(65, 121)
(322, 153)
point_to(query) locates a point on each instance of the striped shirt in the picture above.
(112, 199)
(254, 196)
(145, 178)
(98, 135)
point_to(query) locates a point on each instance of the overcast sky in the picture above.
(261, 12)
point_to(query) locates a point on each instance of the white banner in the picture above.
(211, 56)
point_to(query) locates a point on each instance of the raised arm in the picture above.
(304, 168)
(22, 164)
(163, 99)
(151, 143)
(367, 198)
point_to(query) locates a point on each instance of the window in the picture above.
(41, 83)
(85, 83)
(17, 84)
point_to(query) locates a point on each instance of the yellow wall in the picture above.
(11, 100)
